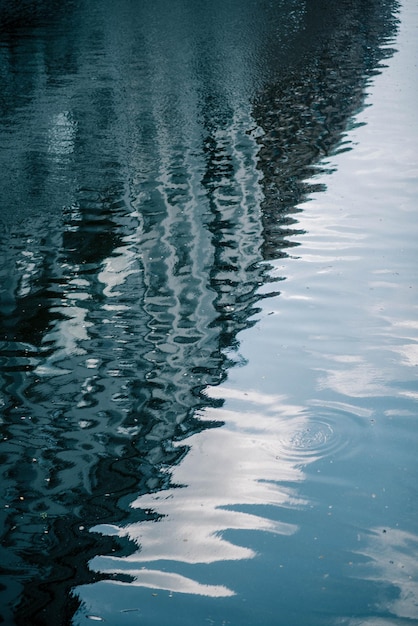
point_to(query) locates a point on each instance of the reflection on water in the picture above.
(390, 559)
(154, 164)
(213, 500)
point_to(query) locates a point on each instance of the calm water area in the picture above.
(208, 312)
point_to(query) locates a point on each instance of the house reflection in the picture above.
(118, 313)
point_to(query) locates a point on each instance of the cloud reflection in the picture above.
(391, 561)
(237, 478)
(180, 184)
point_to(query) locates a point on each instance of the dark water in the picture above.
(208, 383)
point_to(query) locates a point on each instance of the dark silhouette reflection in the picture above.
(148, 177)
(304, 113)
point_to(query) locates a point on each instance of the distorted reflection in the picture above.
(390, 560)
(155, 158)
(62, 134)
(219, 486)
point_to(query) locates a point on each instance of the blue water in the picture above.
(208, 313)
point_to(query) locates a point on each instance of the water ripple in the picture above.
(154, 157)
(314, 440)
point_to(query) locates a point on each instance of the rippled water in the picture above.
(208, 312)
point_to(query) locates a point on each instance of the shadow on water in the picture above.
(154, 160)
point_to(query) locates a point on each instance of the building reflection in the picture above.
(120, 311)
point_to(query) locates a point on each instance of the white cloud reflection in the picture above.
(234, 478)
(391, 561)
(354, 377)
(168, 581)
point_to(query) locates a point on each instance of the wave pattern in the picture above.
(144, 155)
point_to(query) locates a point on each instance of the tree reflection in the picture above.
(178, 188)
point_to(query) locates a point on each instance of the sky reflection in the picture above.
(391, 561)
(229, 480)
(169, 432)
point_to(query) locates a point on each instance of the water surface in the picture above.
(208, 313)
